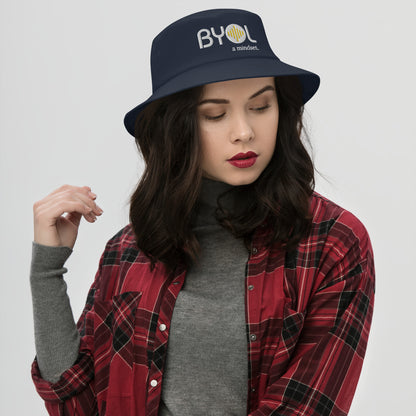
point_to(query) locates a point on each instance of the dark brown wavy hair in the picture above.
(162, 205)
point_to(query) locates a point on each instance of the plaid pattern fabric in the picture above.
(308, 317)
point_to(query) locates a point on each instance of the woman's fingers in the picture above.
(69, 198)
(51, 211)
(49, 223)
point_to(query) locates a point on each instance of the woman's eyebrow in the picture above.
(266, 88)
(224, 101)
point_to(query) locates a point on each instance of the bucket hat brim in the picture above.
(227, 70)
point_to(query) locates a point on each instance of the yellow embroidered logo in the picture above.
(235, 33)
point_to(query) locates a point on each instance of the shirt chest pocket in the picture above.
(114, 322)
(291, 329)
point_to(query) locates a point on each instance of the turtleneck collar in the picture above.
(204, 213)
(210, 190)
(207, 201)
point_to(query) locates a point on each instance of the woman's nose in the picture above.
(241, 129)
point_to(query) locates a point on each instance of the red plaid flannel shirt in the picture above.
(308, 315)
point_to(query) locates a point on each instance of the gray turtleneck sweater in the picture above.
(206, 368)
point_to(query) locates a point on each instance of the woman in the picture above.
(235, 289)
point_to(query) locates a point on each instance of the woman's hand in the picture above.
(51, 228)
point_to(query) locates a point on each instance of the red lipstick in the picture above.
(243, 160)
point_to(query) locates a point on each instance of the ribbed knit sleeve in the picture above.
(56, 335)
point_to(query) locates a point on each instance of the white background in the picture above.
(69, 72)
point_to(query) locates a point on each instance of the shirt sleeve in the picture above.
(56, 335)
(324, 369)
(74, 393)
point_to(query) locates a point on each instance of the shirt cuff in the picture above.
(45, 258)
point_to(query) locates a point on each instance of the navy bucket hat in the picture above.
(211, 46)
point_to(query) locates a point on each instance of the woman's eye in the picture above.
(214, 117)
(219, 116)
(260, 109)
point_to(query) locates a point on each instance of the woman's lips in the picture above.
(243, 155)
(243, 160)
(243, 163)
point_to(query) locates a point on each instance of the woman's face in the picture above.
(237, 116)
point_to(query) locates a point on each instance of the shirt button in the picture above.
(153, 383)
(162, 327)
(254, 251)
(251, 287)
(253, 337)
